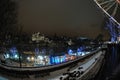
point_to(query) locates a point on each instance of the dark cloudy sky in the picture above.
(69, 17)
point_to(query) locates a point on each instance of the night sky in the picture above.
(64, 17)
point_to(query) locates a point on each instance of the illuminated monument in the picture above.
(111, 9)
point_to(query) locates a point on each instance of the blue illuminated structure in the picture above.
(57, 59)
(79, 51)
(113, 30)
(14, 52)
(37, 51)
(70, 51)
(43, 51)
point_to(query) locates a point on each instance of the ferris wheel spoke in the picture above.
(102, 3)
(110, 6)
(106, 6)
(115, 9)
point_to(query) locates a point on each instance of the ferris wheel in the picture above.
(111, 8)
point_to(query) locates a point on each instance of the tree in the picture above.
(8, 18)
(8, 15)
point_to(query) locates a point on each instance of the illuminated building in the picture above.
(37, 37)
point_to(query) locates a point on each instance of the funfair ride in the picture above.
(111, 9)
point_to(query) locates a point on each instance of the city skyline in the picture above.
(78, 18)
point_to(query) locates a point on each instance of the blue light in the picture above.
(52, 60)
(61, 60)
(56, 60)
(78, 50)
(43, 51)
(70, 52)
(13, 52)
(83, 53)
(37, 50)
(16, 56)
(64, 58)
(112, 30)
(7, 56)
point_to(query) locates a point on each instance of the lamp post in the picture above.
(20, 50)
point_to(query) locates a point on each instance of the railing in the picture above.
(18, 58)
(49, 67)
